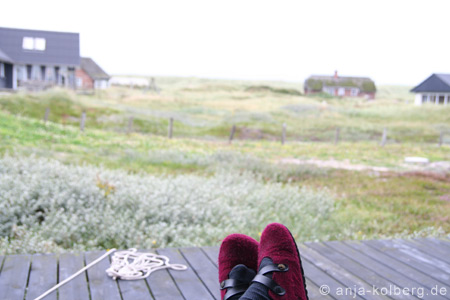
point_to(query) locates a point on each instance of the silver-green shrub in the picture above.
(47, 206)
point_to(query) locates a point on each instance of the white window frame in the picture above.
(34, 43)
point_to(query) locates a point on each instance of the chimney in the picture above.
(335, 75)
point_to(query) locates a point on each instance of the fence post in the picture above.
(441, 138)
(336, 135)
(130, 125)
(83, 120)
(384, 137)
(283, 134)
(170, 127)
(233, 130)
(47, 112)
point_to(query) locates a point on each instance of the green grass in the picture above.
(370, 204)
(208, 108)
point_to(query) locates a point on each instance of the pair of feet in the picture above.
(271, 269)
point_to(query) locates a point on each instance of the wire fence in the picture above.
(334, 135)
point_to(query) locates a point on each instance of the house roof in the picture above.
(363, 83)
(92, 69)
(4, 57)
(436, 83)
(61, 48)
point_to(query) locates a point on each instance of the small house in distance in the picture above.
(341, 86)
(90, 76)
(37, 59)
(435, 89)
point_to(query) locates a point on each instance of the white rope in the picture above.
(75, 275)
(131, 265)
(126, 265)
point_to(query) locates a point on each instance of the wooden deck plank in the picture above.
(336, 271)
(13, 279)
(44, 268)
(436, 241)
(314, 293)
(382, 270)
(389, 248)
(319, 278)
(361, 271)
(187, 281)
(76, 289)
(213, 254)
(205, 269)
(420, 279)
(421, 255)
(430, 249)
(162, 285)
(101, 286)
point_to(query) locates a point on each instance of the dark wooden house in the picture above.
(36, 59)
(341, 86)
(435, 89)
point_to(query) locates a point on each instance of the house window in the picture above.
(341, 91)
(31, 43)
(2, 70)
(354, 92)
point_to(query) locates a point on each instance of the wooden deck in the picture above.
(372, 268)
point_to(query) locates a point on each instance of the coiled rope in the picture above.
(126, 265)
(132, 265)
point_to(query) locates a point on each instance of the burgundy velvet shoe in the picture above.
(288, 280)
(236, 249)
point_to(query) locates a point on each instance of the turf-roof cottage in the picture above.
(435, 89)
(341, 86)
(90, 76)
(37, 59)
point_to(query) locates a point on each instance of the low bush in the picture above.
(46, 206)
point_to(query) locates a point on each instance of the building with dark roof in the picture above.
(38, 59)
(435, 89)
(90, 75)
(340, 86)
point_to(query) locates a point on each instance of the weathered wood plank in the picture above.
(362, 271)
(43, 276)
(213, 254)
(101, 286)
(429, 248)
(77, 288)
(205, 269)
(420, 279)
(163, 286)
(383, 271)
(336, 271)
(187, 281)
(13, 279)
(437, 241)
(393, 250)
(314, 293)
(424, 257)
(320, 278)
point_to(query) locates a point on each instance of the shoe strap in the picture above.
(233, 287)
(269, 282)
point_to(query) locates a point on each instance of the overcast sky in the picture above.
(393, 41)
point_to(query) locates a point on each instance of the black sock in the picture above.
(241, 273)
(258, 291)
